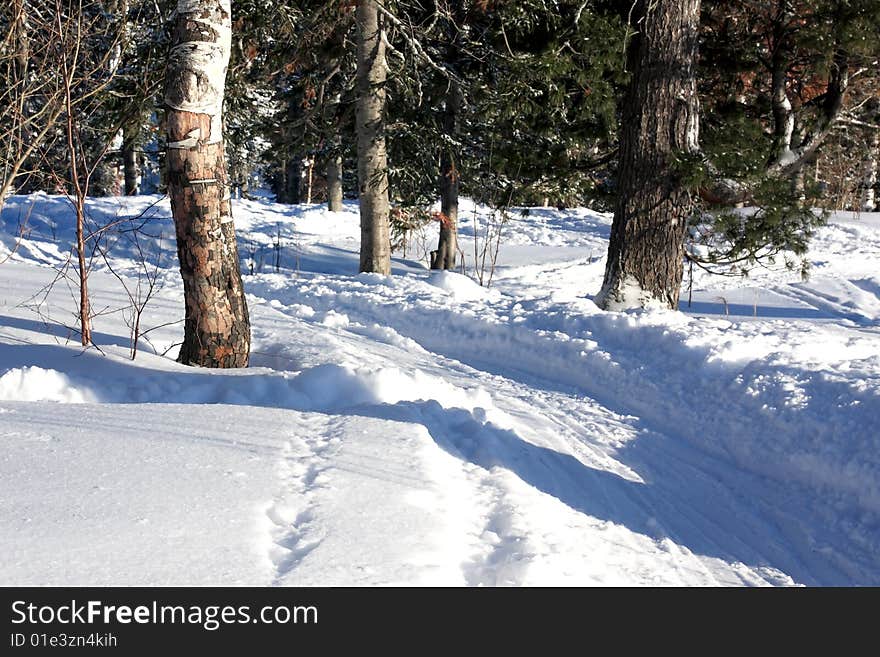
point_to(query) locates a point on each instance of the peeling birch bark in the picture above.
(217, 326)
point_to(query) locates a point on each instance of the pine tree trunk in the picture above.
(334, 182)
(660, 119)
(217, 327)
(372, 157)
(130, 160)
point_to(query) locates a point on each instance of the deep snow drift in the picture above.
(421, 429)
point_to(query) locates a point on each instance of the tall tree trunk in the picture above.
(660, 120)
(447, 245)
(130, 168)
(372, 157)
(334, 181)
(217, 327)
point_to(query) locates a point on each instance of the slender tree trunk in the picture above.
(869, 197)
(22, 41)
(293, 180)
(16, 150)
(372, 157)
(798, 178)
(660, 119)
(78, 188)
(79, 195)
(130, 168)
(279, 183)
(217, 327)
(783, 116)
(310, 177)
(447, 245)
(334, 181)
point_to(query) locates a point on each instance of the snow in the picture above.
(460, 286)
(38, 384)
(420, 429)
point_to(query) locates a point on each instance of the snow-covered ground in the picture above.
(421, 429)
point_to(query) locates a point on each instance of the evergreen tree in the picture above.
(778, 88)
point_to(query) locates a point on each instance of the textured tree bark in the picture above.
(130, 160)
(217, 326)
(660, 119)
(334, 182)
(372, 157)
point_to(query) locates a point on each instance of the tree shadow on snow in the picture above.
(701, 502)
(701, 308)
(683, 504)
(68, 334)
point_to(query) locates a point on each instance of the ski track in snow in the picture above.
(441, 433)
(577, 481)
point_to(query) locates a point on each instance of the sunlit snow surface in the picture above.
(421, 429)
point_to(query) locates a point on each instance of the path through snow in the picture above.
(423, 430)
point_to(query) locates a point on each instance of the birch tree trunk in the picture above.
(660, 119)
(372, 157)
(217, 326)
